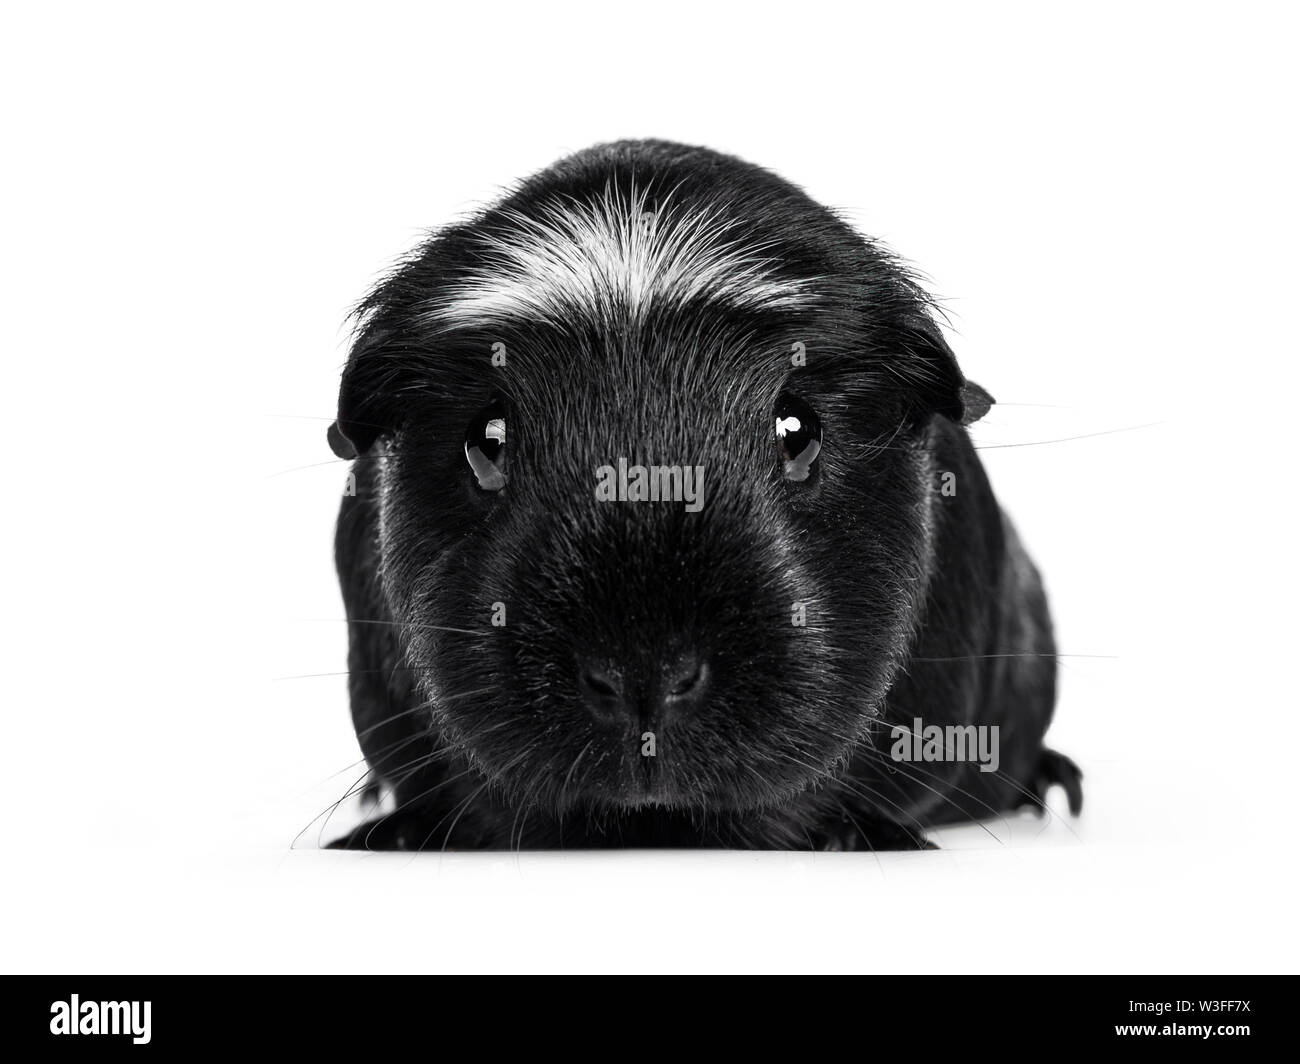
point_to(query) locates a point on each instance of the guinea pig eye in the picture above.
(485, 447)
(798, 436)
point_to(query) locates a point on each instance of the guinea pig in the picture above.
(666, 530)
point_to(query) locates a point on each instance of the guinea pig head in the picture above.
(652, 505)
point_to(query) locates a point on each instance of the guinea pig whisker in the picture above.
(909, 771)
(357, 788)
(429, 704)
(525, 809)
(398, 775)
(310, 676)
(869, 449)
(875, 447)
(1041, 406)
(997, 774)
(416, 798)
(327, 462)
(441, 699)
(872, 798)
(390, 748)
(347, 672)
(1015, 654)
(861, 834)
(764, 784)
(396, 716)
(464, 805)
(334, 417)
(1002, 816)
(1066, 439)
(398, 624)
(401, 773)
(329, 809)
(412, 768)
(948, 749)
(522, 809)
(568, 776)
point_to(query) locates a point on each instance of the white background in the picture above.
(1105, 199)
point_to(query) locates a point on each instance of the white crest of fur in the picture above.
(612, 257)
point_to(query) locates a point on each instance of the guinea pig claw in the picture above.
(393, 832)
(1054, 769)
(852, 836)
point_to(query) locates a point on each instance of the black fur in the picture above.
(919, 605)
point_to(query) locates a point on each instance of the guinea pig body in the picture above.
(667, 531)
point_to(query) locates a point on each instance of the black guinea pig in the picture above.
(666, 531)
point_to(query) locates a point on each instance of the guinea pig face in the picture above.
(651, 555)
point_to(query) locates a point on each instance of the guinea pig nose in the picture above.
(645, 695)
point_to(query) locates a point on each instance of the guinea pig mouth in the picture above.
(650, 795)
(682, 770)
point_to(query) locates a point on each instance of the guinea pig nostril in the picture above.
(601, 691)
(642, 691)
(688, 679)
(602, 684)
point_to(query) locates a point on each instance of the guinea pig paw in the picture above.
(849, 836)
(1054, 769)
(393, 832)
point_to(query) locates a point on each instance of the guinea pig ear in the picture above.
(353, 433)
(340, 444)
(939, 380)
(975, 402)
(363, 411)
